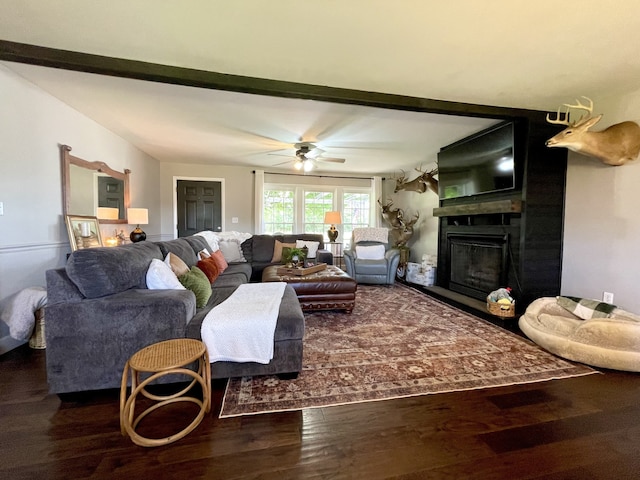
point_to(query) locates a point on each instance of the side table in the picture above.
(160, 359)
(336, 249)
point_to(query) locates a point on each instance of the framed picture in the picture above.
(84, 232)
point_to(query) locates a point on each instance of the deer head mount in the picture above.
(419, 184)
(402, 230)
(615, 145)
(392, 216)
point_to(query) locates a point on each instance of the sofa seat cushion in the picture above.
(371, 267)
(98, 272)
(243, 270)
(290, 318)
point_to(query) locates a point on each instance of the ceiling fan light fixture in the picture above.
(308, 165)
(298, 164)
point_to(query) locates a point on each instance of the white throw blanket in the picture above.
(241, 329)
(18, 311)
(371, 234)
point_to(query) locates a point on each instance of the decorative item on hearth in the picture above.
(332, 218)
(138, 216)
(501, 303)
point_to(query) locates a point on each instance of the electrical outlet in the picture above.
(607, 297)
(234, 219)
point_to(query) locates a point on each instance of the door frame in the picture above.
(197, 179)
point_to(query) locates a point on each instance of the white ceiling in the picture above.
(511, 53)
(194, 125)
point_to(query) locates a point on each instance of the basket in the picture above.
(501, 309)
(37, 340)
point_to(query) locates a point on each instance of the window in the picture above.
(315, 204)
(278, 214)
(355, 214)
(300, 207)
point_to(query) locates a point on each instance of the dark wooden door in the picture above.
(111, 194)
(199, 207)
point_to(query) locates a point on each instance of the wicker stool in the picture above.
(160, 359)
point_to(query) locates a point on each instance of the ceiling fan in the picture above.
(305, 156)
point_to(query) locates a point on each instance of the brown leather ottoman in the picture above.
(325, 290)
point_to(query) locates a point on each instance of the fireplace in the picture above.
(478, 263)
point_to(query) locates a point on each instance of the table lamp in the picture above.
(107, 213)
(137, 216)
(332, 218)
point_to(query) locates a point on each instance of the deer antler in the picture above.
(580, 106)
(558, 120)
(559, 115)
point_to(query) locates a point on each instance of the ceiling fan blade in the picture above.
(329, 160)
(282, 155)
(282, 163)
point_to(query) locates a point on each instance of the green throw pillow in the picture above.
(196, 281)
(585, 308)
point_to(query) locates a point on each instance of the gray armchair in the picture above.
(370, 259)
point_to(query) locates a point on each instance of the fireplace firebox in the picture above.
(478, 263)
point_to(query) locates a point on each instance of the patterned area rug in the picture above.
(398, 342)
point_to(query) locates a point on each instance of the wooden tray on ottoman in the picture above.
(301, 271)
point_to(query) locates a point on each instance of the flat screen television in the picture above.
(481, 163)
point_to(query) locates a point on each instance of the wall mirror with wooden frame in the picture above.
(88, 185)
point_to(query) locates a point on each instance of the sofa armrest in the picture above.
(391, 254)
(89, 342)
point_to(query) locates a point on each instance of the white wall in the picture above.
(602, 218)
(33, 124)
(425, 231)
(238, 193)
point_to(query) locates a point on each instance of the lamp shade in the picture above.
(107, 213)
(137, 216)
(332, 218)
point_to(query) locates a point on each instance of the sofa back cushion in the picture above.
(262, 248)
(199, 243)
(98, 272)
(182, 248)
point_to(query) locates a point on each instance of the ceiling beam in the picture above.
(154, 72)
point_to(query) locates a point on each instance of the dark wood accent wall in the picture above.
(532, 216)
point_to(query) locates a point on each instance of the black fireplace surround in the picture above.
(508, 239)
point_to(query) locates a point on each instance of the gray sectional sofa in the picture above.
(100, 312)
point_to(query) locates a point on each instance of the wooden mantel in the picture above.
(482, 208)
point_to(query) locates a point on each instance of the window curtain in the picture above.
(259, 200)
(376, 193)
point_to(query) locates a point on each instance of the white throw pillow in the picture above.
(231, 250)
(312, 246)
(370, 252)
(161, 277)
(211, 239)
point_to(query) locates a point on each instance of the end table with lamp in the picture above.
(336, 249)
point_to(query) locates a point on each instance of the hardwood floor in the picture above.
(580, 428)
